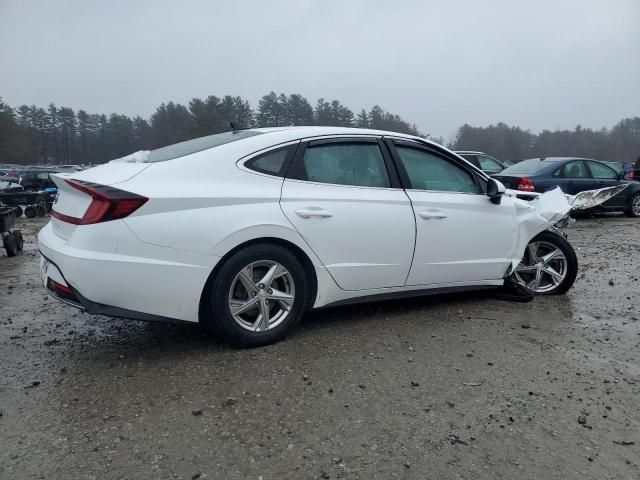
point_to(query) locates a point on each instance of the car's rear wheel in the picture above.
(30, 211)
(549, 265)
(258, 295)
(633, 210)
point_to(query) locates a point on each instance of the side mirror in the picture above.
(620, 176)
(495, 190)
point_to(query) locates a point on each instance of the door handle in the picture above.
(310, 212)
(432, 215)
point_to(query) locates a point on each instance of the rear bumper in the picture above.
(129, 279)
(86, 305)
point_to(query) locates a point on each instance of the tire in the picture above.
(10, 245)
(247, 328)
(19, 240)
(30, 211)
(633, 210)
(19, 212)
(554, 276)
(41, 210)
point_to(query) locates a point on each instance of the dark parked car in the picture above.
(484, 162)
(33, 180)
(572, 175)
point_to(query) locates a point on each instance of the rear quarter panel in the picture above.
(208, 206)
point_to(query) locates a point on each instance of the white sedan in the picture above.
(243, 231)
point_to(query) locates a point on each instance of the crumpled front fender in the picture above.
(536, 216)
(545, 210)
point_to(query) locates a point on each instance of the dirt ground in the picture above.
(458, 386)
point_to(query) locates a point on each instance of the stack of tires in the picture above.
(12, 240)
(32, 211)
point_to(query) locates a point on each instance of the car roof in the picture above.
(312, 131)
(558, 159)
(252, 140)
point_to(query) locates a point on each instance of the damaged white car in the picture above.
(243, 231)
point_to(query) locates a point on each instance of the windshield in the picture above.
(525, 167)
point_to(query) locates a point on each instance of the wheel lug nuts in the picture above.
(270, 291)
(261, 286)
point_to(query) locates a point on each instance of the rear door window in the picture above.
(575, 169)
(354, 163)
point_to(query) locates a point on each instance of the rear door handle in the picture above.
(310, 212)
(427, 215)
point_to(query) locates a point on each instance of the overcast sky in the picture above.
(440, 64)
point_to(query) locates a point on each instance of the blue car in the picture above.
(572, 175)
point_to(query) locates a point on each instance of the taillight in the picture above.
(61, 290)
(107, 203)
(526, 184)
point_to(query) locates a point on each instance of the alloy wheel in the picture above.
(543, 267)
(635, 205)
(261, 296)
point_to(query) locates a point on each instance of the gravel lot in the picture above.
(458, 386)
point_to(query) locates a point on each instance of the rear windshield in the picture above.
(525, 167)
(197, 145)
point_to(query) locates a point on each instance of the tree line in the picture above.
(620, 143)
(60, 135)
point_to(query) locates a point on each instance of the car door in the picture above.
(344, 198)
(573, 177)
(461, 236)
(605, 176)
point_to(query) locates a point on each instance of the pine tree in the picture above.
(362, 119)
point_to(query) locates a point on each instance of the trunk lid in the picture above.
(68, 201)
(508, 181)
(110, 173)
(74, 203)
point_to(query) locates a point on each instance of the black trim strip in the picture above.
(379, 297)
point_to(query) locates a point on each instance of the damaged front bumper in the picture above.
(538, 212)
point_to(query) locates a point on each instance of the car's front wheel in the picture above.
(258, 295)
(549, 265)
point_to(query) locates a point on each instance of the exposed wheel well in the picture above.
(297, 251)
